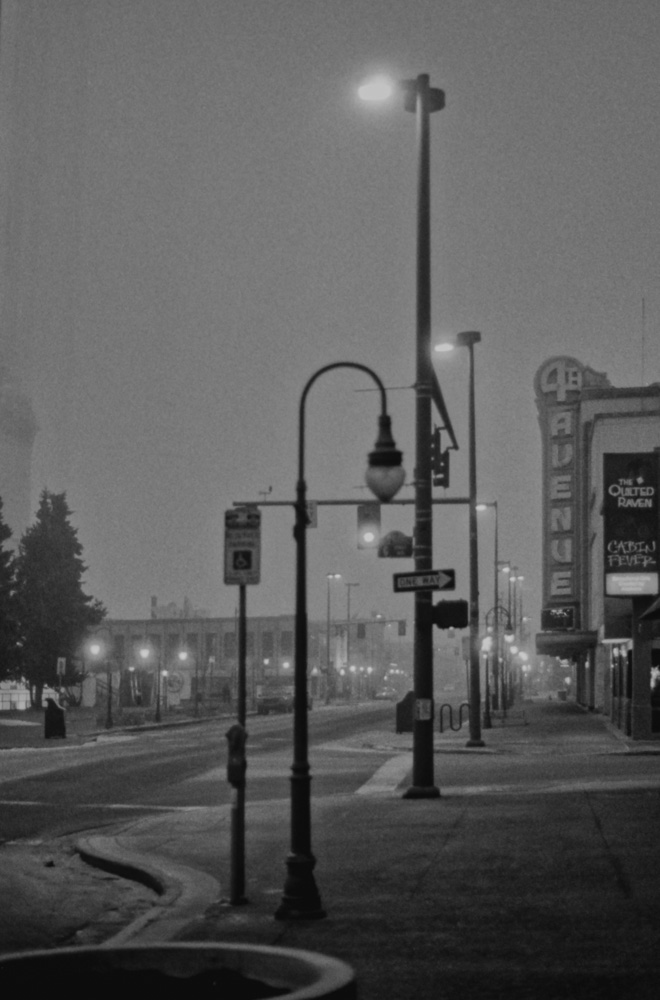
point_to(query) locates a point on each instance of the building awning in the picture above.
(653, 612)
(565, 644)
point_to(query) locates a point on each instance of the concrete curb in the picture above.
(183, 892)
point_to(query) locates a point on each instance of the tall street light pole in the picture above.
(421, 99)
(384, 477)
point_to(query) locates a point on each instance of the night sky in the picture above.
(198, 213)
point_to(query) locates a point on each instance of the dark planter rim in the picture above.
(309, 975)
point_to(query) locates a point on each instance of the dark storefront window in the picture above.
(655, 690)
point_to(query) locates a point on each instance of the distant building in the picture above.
(198, 658)
(601, 536)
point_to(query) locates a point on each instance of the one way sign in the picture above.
(433, 579)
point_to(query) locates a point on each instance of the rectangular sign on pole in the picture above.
(434, 579)
(242, 546)
(630, 514)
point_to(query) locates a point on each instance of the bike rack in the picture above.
(463, 705)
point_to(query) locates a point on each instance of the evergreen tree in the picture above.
(54, 612)
(9, 632)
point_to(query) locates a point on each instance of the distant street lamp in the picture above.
(329, 684)
(468, 339)
(496, 617)
(165, 674)
(146, 653)
(98, 649)
(349, 666)
(183, 657)
(484, 505)
(384, 477)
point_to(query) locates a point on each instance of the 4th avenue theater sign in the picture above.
(630, 512)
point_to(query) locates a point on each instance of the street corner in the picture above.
(51, 898)
(181, 892)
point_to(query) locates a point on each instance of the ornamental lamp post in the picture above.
(384, 476)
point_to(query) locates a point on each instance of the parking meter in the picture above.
(236, 760)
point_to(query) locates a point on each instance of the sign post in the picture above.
(242, 546)
(242, 568)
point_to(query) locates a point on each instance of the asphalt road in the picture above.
(123, 776)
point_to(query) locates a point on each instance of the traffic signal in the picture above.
(450, 614)
(439, 461)
(368, 524)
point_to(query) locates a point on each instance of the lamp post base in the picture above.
(301, 899)
(421, 792)
(475, 743)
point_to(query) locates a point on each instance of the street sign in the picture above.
(434, 579)
(242, 546)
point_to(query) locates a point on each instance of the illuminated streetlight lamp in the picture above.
(384, 476)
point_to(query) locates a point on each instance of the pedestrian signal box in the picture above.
(450, 614)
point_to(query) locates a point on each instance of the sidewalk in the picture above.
(548, 889)
(492, 893)
(26, 729)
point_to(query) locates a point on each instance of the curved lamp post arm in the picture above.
(305, 392)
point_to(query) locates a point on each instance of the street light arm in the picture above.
(305, 392)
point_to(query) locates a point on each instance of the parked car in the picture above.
(387, 694)
(275, 698)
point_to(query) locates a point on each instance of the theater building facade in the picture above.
(601, 533)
